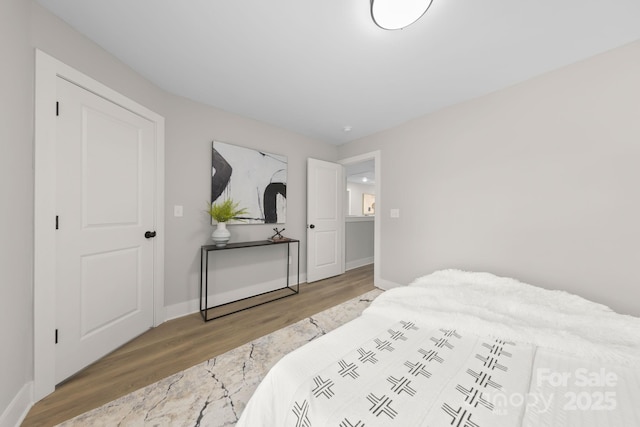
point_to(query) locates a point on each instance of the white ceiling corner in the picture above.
(314, 67)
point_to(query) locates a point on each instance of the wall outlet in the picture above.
(395, 213)
(177, 211)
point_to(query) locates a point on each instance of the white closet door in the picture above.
(105, 178)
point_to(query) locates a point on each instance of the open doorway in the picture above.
(361, 206)
(360, 213)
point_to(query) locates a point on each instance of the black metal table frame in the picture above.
(204, 275)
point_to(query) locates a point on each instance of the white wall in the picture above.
(538, 182)
(16, 215)
(190, 128)
(359, 242)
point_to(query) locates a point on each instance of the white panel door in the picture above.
(325, 220)
(105, 174)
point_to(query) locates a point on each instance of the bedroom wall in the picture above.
(359, 242)
(538, 181)
(190, 127)
(16, 221)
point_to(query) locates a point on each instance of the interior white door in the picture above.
(105, 178)
(325, 220)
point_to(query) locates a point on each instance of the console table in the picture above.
(253, 300)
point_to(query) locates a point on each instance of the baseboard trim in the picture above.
(193, 306)
(387, 284)
(181, 309)
(19, 407)
(358, 263)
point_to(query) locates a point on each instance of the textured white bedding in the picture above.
(467, 349)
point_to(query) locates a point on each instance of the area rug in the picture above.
(215, 392)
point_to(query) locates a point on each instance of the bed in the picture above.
(463, 349)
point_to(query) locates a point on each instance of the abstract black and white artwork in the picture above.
(254, 179)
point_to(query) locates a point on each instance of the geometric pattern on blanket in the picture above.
(410, 375)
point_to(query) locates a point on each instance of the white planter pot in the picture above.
(221, 235)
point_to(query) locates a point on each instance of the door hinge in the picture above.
(57, 222)
(57, 108)
(56, 336)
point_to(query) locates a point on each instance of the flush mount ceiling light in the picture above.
(397, 14)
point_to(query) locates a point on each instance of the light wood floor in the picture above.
(181, 343)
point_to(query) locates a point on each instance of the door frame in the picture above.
(376, 156)
(47, 71)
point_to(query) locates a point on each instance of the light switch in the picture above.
(177, 210)
(395, 213)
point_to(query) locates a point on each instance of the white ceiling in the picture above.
(355, 172)
(316, 66)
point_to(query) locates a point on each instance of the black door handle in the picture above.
(312, 226)
(150, 234)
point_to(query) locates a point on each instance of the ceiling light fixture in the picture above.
(365, 179)
(397, 14)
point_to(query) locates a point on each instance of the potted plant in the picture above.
(222, 212)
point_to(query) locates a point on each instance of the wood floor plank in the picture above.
(181, 343)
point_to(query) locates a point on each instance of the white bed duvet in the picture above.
(462, 349)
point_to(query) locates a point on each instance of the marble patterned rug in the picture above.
(215, 392)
